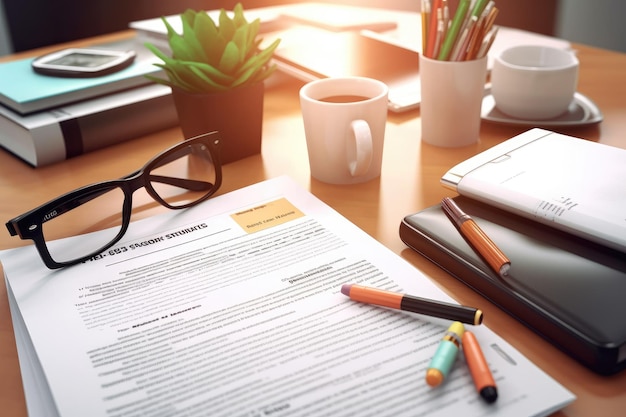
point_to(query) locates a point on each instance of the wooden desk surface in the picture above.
(409, 183)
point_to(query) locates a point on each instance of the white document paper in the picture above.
(568, 183)
(233, 308)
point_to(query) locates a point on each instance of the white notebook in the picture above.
(568, 183)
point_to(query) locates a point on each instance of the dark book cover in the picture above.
(567, 289)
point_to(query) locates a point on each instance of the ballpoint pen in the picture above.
(477, 238)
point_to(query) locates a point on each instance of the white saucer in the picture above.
(582, 111)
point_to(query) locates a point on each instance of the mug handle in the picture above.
(359, 148)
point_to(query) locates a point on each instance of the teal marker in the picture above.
(445, 355)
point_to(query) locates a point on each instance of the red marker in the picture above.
(483, 380)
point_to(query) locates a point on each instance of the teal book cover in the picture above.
(25, 91)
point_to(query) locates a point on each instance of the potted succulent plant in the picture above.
(216, 72)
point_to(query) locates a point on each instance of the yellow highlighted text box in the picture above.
(267, 215)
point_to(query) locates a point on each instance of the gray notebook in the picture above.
(565, 288)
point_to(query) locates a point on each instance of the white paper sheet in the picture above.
(233, 308)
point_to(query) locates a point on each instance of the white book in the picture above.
(571, 184)
(55, 135)
(234, 308)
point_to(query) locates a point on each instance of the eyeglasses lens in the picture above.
(99, 211)
(185, 177)
(180, 179)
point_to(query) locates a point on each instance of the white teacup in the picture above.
(534, 82)
(344, 123)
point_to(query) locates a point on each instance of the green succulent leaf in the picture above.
(211, 72)
(241, 40)
(206, 31)
(204, 83)
(156, 51)
(189, 16)
(227, 27)
(178, 45)
(253, 30)
(239, 19)
(230, 58)
(192, 42)
(169, 66)
(261, 58)
(171, 81)
(214, 56)
(159, 80)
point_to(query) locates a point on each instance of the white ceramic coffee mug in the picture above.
(344, 123)
(534, 82)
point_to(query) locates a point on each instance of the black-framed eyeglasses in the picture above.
(180, 177)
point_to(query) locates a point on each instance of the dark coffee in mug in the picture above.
(344, 99)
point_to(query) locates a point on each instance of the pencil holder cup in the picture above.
(452, 94)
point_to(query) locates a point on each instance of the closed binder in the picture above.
(567, 289)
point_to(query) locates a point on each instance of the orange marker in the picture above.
(477, 238)
(483, 380)
(434, 308)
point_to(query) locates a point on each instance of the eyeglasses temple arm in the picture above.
(11, 228)
(193, 185)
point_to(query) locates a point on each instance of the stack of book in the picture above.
(46, 119)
